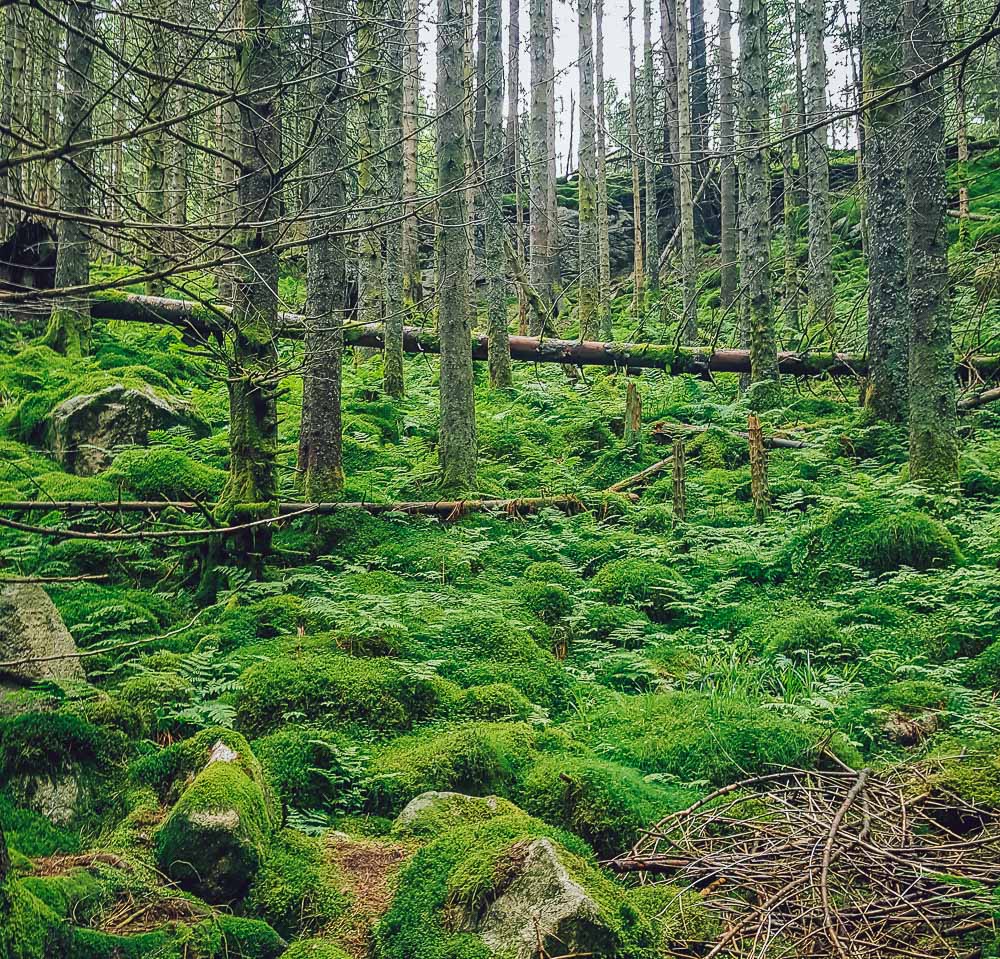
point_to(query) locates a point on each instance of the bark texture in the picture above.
(395, 308)
(588, 246)
(729, 274)
(685, 168)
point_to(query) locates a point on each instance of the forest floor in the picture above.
(384, 657)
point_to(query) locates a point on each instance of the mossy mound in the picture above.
(161, 472)
(474, 758)
(651, 587)
(493, 702)
(698, 738)
(433, 813)
(808, 634)
(333, 688)
(315, 949)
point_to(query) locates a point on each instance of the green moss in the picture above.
(677, 915)
(906, 539)
(295, 890)
(649, 586)
(161, 472)
(607, 804)
(621, 625)
(315, 949)
(551, 571)
(493, 702)
(695, 737)
(30, 929)
(984, 672)
(35, 743)
(449, 810)
(474, 758)
(152, 693)
(550, 602)
(217, 834)
(75, 895)
(332, 688)
(811, 633)
(32, 834)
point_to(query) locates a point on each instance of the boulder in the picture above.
(56, 795)
(539, 901)
(32, 629)
(215, 837)
(84, 432)
(433, 812)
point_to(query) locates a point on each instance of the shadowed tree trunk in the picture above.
(320, 458)
(513, 86)
(69, 325)
(633, 144)
(698, 87)
(370, 159)
(933, 442)
(755, 209)
(395, 310)
(727, 166)
(412, 280)
(668, 47)
(888, 307)
(457, 439)
(650, 149)
(789, 224)
(685, 165)
(603, 239)
(496, 278)
(588, 247)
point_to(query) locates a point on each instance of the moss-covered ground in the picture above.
(598, 670)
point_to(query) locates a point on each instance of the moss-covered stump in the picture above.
(219, 831)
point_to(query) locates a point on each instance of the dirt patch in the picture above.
(369, 868)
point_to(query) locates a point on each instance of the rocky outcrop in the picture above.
(541, 902)
(84, 432)
(215, 837)
(33, 638)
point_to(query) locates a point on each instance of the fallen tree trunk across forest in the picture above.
(205, 321)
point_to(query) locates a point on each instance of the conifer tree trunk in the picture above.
(320, 449)
(685, 163)
(497, 329)
(253, 374)
(698, 88)
(727, 165)
(820, 239)
(638, 271)
(412, 279)
(801, 115)
(790, 228)
(155, 171)
(513, 87)
(479, 120)
(588, 249)
(69, 325)
(933, 441)
(603, 239)
(668, 46)
(650, 149)
(755, 208)
(13, 30)
(888, 307)
(395, 311)
(370, 266)
(457, 437)
(542, 164)
(961, 130)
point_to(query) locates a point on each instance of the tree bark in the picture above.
(457, 439)
(370, 162)
(885, 197)
(821, 303)
(638, 272)
(603, 239)
(395, 309)
(412, 279)
(69, 325)
(729, 274)
(589, 283)
(790, 226)
(755, 209)
(513, 88)
(933, 441)
(668, 46)
(650, 149)
(685, 165)
(497, 329)
(320, 439)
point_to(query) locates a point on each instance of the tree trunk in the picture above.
(727, 168)
(790, 227)
(395, 311)
(369, 56)
(933, 442)
(821, 304)
(412, 279)
(589, 297)
(961, 131)
(69, 325)
(253, 374)
(633, 142)
(603, 239)
(698, 89)
(457, 439)
(542, 91)
(13, 28)
(513, 88)
(685, 164)
(497, 329)
(885, 197)
(650, 149)
(320, 448)
(755, 209)
(479, 122)
(668, 46)
(801, 115)
(155, 169)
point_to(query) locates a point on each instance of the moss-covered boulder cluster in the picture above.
(409, 733)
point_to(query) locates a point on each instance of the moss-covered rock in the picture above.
(431, 813)
(162, 472)
(315, 949)
(493, 702)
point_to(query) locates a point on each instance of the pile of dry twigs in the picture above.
(835, 863)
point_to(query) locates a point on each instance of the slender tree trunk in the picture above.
(727, 164)
(961, 132)
(650, 149)
(154, 150)
(457, 439)
(821, 305)
(542, 91)
(395, 311)
(588, 250)
(13, 26)
(755, 209)
(790, 227)
(888, 307)
(603, 238)
(479, 124)
(69, 325)
(370, 167)
(801, 116)
(668, 46)
(933, 441)
(320, 447)
(685, 163)
(253, 374)
(698, 89)
(412, 279)
(497, 329)
(513, 87)
(551, 203)
(633, 142)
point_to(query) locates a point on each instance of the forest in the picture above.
(495, 481)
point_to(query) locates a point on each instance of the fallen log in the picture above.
(665, 433)
(640, 477)
(980, 399)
